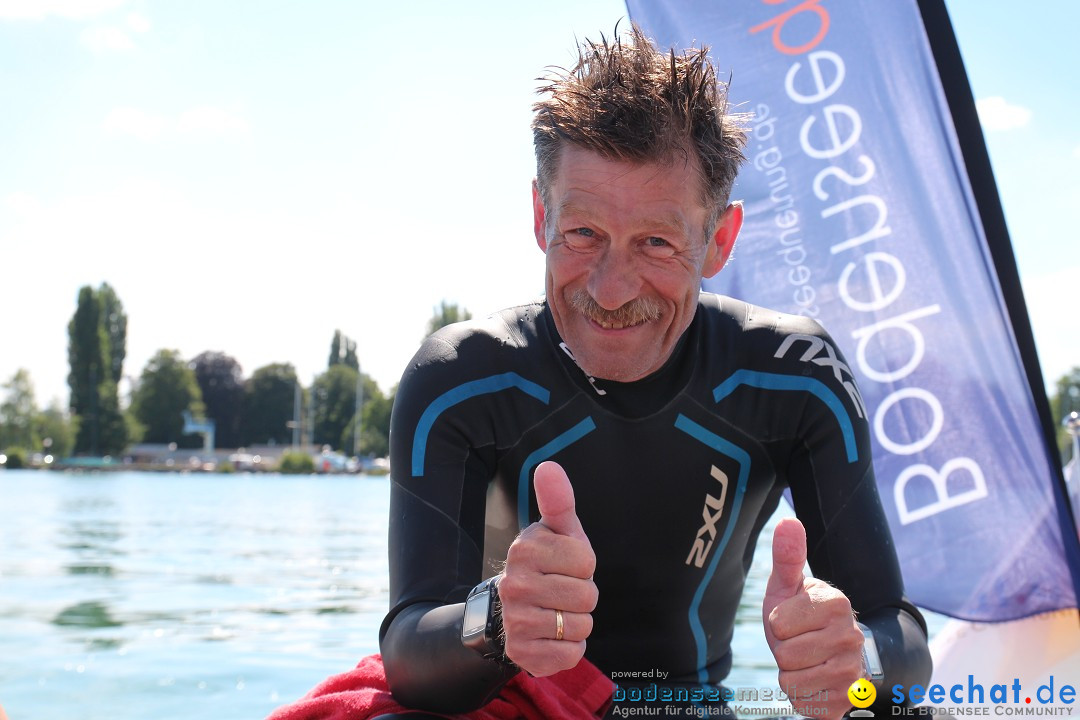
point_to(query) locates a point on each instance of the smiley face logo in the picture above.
(862, 693)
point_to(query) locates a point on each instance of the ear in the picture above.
(723, 238)
(538, 218)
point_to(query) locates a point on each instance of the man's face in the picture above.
(626, 251)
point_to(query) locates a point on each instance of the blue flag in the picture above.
(870, 206)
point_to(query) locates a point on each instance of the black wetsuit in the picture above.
(674, 477)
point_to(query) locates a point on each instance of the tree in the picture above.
(1066, 400)
(268, 405)
(86, 357)
(350, 355)
(221, 382)
(343, 351)
(167, 388)
(375, 429)
(18, 413)
(335, 350)
(57, 431)
(334, 399)
(447, 314)
(95, 367)
(115, 322)
(113, 427)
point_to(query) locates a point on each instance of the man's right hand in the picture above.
(549, 567)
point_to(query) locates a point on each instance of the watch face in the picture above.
(870, 655)
(476, 615)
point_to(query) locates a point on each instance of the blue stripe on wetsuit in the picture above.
(740, 456)
(541, 454)
(483, 386)
(774, 381)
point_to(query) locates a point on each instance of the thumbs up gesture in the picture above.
(547, 590)
(810, 630)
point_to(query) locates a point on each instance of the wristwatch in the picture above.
(871, 658)
(481, 629)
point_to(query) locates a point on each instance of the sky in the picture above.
(252, 175)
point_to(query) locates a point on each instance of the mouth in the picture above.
(616, 325)
(633, 314)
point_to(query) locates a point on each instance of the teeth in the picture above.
(615, 326)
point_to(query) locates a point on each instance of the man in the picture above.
(610, 455)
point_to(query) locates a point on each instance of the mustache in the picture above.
(635, 312)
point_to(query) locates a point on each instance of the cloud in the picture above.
(106, 39)
(67, 9)
(133, 121)
(995, 113)
(201, 121)
(23, 205)
(209, 120)
(137, 22)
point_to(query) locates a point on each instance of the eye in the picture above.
(581, 239)
(658, 248)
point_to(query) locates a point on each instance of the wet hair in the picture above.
(629, 101)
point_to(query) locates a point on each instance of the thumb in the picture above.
(788, 558)
(555, 499)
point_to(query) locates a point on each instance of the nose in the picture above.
(614, 279)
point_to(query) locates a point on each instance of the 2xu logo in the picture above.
(711, 514)
(829, 360)
(974, 487)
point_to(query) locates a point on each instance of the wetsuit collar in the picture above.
(638, 398)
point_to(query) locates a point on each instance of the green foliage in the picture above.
(96, 337)
(447, 314)
(375, 428)
(343, 352)
(1066, 399)
(115, 324)
(350, 356)
(334, 399)
(16, 458)
(296, 463)
(18, 412)
(334, 396)
(221, 381)
(136, 430)
(86, 357)
(50, 431)
(335, 350)
(112, 427)
(268, 405)
(167, 387)
(335, 405)
(57, 431)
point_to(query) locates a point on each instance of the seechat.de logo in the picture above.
(1000, 699)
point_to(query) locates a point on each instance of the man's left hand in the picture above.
(810, 630)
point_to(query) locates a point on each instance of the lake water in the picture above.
(138, 595)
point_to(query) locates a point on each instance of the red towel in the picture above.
(577, 694)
